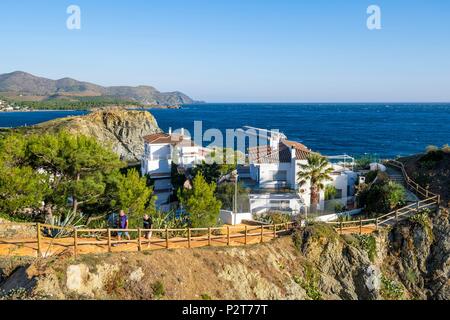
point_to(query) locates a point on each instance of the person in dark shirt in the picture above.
(148, 224)
(123, 224)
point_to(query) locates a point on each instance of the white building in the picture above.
(290, 203)
(276, 165)
(160, 151)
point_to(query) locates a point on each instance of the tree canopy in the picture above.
(48, 174)
(316, 172)
(200, 203)
(381, 196)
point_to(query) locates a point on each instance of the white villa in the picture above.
(272, 167)
(163, 149)
(275, 166)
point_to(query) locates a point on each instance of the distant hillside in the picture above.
(29, 87)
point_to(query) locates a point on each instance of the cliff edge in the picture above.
(120, 129)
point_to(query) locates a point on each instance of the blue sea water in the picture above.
(387, 130)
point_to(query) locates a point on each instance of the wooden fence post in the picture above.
(376, 223)
(167, 238)
(245, 238)
(228, 235)
(274, 231)
(360, 225)
(109, 240)
(262, 233)
(396, 215)
(139, 240)
(39, 240)
(189, 237)
(75, 242)
(209, 236)
(340, 227)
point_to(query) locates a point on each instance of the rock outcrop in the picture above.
(122, 130)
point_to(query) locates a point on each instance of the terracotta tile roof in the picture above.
(174, 139)
(301, 150)
(266, 154)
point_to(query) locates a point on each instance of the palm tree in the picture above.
(316, 171)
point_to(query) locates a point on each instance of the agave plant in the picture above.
(169, 220)
(65, 222)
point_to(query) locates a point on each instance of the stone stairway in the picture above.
(396, 175)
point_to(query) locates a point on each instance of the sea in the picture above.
(381, 130)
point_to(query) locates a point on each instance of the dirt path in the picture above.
(367, 229)
(50, 247)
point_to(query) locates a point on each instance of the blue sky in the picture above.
(238, 50)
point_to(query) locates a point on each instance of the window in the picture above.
(278, 175)
(281, 204)
(338, 194)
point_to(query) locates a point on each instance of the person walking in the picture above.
(148, 224)
(123, 224)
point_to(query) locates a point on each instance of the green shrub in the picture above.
(369, 244)
(390, 289)
(322, 230)
(411, 276)
(364, 162)
(381, 197)
(423, 219)
(297, 279)
(206, 296)
(432, 156)
(310, 283)
(371, 175)
(275, 217)
(158, 289)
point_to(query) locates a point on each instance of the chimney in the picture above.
(274, 140)
(170, 131)
(293, 153)
(182, 132)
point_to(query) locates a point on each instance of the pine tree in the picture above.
(200, 203)
(131, 193)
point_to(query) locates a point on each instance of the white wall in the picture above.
(339, 181)
(263, 203)
(157, 159)
(266, 174)
(230, 218)
(159, 151)
(157, 166)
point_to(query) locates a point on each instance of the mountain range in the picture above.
(22, 84)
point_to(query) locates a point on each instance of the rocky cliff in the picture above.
(118, 128)
(411, 261)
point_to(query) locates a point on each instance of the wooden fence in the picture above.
(48, 236)
(77, 238)
(429, 200)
